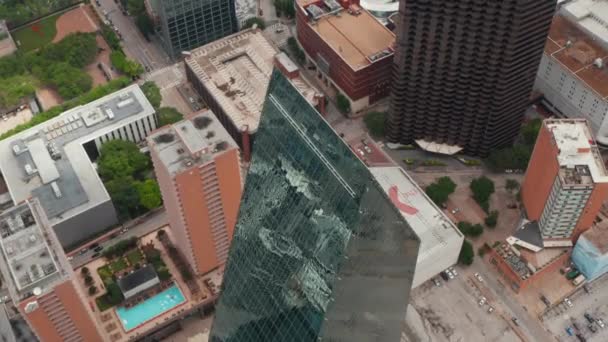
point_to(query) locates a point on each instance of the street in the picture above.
(134, 44)
(152, 222)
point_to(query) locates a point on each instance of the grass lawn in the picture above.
(134, 256)
(118, 265)
(105, 273)
(36, 35)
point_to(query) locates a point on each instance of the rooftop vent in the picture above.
(31, 306)
(124, 103)
(221, 146)
(164, 138)
(210, 134)
(202, 122)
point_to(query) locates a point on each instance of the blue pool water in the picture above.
(150, 308)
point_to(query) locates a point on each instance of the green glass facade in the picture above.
(188, 24)
(319, 251)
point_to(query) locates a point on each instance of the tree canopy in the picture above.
(121, 159)
(255, 20)
(482, 189)
(343, 104)
(149, 194)
(518, 156)
(285, 7)
(440, 190)
(468, 229)
(492, 219)
(466, 253)
(152, 93)
(511, 185)
(168, 115)
(127, 66)
(375, 122)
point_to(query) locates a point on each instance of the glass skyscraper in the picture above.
(187, 24)
(319, 251)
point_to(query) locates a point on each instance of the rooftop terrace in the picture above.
(429, 222)
(193, 141)
(353, 33)
(579, 157)
(48, 161)
(236, 71)
(28, 262)
(579, 53)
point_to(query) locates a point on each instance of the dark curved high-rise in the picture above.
(464, 71)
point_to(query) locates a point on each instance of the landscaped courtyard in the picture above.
(36, 35)
(124, 257)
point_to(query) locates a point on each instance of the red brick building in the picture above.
(351, 50)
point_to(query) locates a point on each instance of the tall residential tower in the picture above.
(198, 170)
(319, 251)
(566, 181)
(464, 71)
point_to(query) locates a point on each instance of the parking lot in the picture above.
(451, 312)
(560, 317)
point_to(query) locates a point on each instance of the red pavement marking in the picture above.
(394, 196)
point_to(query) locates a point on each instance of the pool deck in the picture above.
(110, 322)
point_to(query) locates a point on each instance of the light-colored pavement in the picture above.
(152, 222)
(135, 45)
(595, 303)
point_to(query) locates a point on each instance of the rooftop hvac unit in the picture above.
(56, 190)
(124, 103)
(29, 170)
(31, 306)
(599, 63)
(110, 113)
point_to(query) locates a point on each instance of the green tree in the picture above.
(92, 290)
(492, 219)
(152, 93)
(125, 65)
(77, 49)
(530, 130)
(295, 50)
(466, 253)
(511, 185)
(114, 294)
(149, 194)
(70, 82)
(255, 20)
(375, 122)
(145, 24)
(168, 115)
(440, 190)
(111, 38)
(124, 196)
(468, 229)
(482, 189)
(88, 280)
(85, 271)
(15, 88)
(343, 104)
(121, 159)
(136, 7)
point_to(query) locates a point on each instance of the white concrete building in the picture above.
(440, 239)
(53, 161)
(573, 76)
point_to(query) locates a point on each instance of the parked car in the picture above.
(98, 249)
(449, 273)
(568, 302)
(601, 323)
(482, 301)
(490, 309)
(569, 331)
(453, 270)
(94, 245)
(436, 282)
(545, 300)
(82, 251)
(515, 321)
(588, 317)
(70, 258)
(444, 276)
(95, 255)
(478, 276)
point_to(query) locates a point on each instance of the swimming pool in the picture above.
(150, 308)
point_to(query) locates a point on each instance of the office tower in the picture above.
(351, 51)
(198, 170)
(572, 77)
(186, 24)
(464, 72)
(319, 251)
(40, 279)
(566, 181)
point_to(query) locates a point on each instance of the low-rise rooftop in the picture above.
(579, 53)
(432, 226)
(49, 162)
(591, 15)
(194, 141)
(236, 71)
(353, 33)
(579, 157)
(28, 263)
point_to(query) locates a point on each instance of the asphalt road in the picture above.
(528, 324)
(152, 222)
(135, 45)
